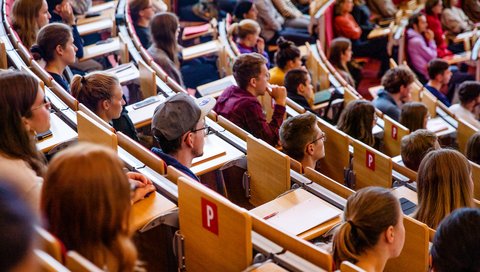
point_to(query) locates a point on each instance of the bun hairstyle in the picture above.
(368, 213)
(244, 28)
(287, 51)
(48, 38)
(93, 88)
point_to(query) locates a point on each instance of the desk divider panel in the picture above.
(269, 171)
(430, 101)
(148, 85)
(476, 180)
(91, 131)
(328, 183)
(141, 153)
(414, 256)
(371, 168)
(217, 233)
(392, 136)
(464, 132)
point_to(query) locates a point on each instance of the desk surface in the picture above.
(106, 14)
(96, 26)
(409, 194)
(148, 209)
(94, 50)
(440, 127)
(200, 50)
(125, 72)
(215, 88)
(61, 133)
(143, 116)
(291, 199)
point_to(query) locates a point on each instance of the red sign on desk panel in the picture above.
(394, 132)
(209, 216)
(370, 160)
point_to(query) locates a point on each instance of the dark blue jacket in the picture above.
(169, 160)
(77, 39)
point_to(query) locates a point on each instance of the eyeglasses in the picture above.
(46, 103)
(322, 137)
(207, 130)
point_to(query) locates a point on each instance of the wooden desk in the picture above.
(215, 88)
(213, 141)
(93, 50)
(440, 127)
(201, 50)
(143, 116)
(379, 32)
(125, 72)
(407, 193)
(61, 133)
(270, 267)
(145, 211)
(102, 7)
(291, 199)
(96, 26)
(106, 14)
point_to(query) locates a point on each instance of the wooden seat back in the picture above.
(124, 55)
(347, 266)
(217, 233)
(476, 180)
(77, 263)
(90, 130)
(3, 56)
(48, 243)
(269, 171)
(141, 153)
(349, 95)
(233, 128)
(464, 132)
(371, 167)
(317, 68)
(392, 136)
(47, 263)
(328, 183)
(148, 85)
(430, 101)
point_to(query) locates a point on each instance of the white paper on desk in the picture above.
(200, 49)
(304, 216)
(436, 125)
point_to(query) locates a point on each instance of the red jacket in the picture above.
(346, 26)
(435, 25)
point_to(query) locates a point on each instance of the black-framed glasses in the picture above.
(322, 137)
(207, 130)
(46, 103)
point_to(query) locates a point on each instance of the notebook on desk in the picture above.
(303, 216)
(322, 96)
(436, 125)
(216, 86)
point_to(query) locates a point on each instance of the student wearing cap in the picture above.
(179, 127)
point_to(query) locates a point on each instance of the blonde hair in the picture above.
(93, 88)
(244, 28)
(368, 213)
(444, 185)
(86, 202)
(24, 14)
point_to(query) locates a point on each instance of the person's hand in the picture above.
(429, 35)
(260, 45)
(141, 184)
(279, 94)
(66, 12)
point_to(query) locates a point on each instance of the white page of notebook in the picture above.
(305, 215)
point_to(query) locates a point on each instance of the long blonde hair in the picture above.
(24, 14)
(368, 213)
(444, 184)
(244, 28)
(86, 202)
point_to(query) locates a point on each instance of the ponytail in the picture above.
(93, 88)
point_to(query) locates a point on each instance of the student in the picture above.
(240, 105)
(469, 95)
(433, 10)
(340, 57)
(454, 20)
(245, 9)
(24, 112)
(416, 145)
(473, 148)
(372, 231)
(303, 140)
(357, 121)
(86, 201)
(55, 46)
(414, 116)
(247, 36)
(142, 13)
(440, 75)
(421, 47)
(179, 127)
(397, 83)
(62, 12)
(299, 88)
(16, 232)
(28, 16)
(444, 184)
(287, 58)
(455, 245)
(102, 94)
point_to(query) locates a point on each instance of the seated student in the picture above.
(433, 10)
(372, 231)
(299, 88)
(421, 47)
(102, 94)
(362, 15)
(472, 9)
(397, 83)
(245, 9)
(240, 105)
(469, 95)
(28, 16)
(80, 7)
(442, 189)
(302, 139)
(247, 37)
(416, 145)
(346, 26)
(357, 121)
(55, 46)
(24, 112)
(454, 20)
(142, 12)
(440, 75)
(340, 57)
(414, 116)
(84, 185)
(16, 232)
(164, 30)
(287, 58)
(179, 127)
(473, 148)
(455, 245)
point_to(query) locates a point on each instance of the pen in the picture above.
(270, 215)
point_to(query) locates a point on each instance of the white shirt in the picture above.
(465, 114)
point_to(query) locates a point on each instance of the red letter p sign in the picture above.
(370, 160)
(209, 216)
(394, 132)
